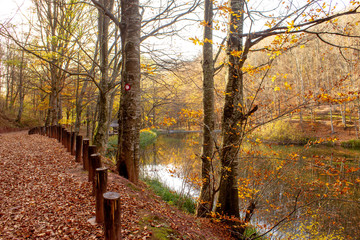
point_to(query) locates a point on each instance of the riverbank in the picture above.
(308, 130)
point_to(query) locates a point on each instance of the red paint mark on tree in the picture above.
(127, 87)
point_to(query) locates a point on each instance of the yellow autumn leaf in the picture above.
(208, 40)
(287, 86)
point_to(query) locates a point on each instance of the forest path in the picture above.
(44, 194)
(40, 198)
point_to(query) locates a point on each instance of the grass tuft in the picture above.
(251, 233)
(183, 202)
(147, 137)
(353, 143)
(282, 132)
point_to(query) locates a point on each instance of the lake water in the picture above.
(320, 182)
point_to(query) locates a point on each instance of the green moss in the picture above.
(150, 218)
(159, 228)
(251, 233)
(133, 187)
(161, 233)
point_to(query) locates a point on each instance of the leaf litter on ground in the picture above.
(45, 195)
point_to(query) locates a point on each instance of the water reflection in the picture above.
(313, 192)
(173, 160)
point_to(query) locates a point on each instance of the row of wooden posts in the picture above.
(107, 203)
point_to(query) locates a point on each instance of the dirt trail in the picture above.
(44, 194)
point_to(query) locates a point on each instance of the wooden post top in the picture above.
(101, 169)
(111, 195)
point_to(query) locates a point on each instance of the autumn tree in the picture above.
(206, 195)
(130, 115)
(234, 113)
(101, 132)
(55, 21)
(236, 110)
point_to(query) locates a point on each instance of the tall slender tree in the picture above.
(205, 202)
(104, 86)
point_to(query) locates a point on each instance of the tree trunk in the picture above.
(80, 98)
(358, 111)
(21, 89)
(331, 120)
(88, 122)
(343, 114)
(206, 200)
(7, 96)
(233, 119)
(93, 125)
(301, 99)
(128, 157)
(101, 132)
(12, 84)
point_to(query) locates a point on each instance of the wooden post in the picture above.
(72, 146)
(78, 148)
(68, 141)
(33, 131)
(63, 137)
(52, 132)
(100, 189)
(85, 153)
(112, 223)
(92, 150)
(95, 162)
(56, 128)
(59, 133)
